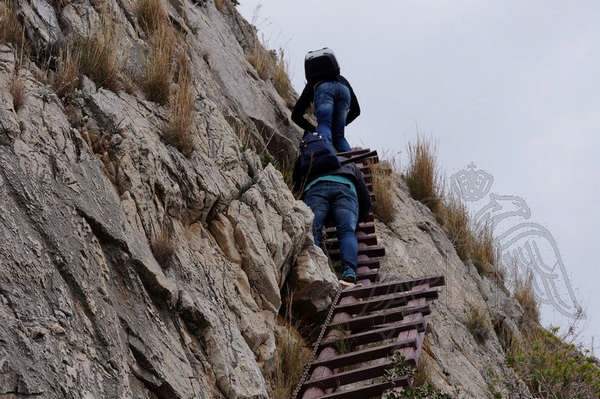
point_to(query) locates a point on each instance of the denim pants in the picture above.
(338, 200)
(332, 103)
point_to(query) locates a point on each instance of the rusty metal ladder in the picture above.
(368, 323)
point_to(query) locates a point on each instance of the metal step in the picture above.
(378, 334)
(367, 228)
(391, 301)
(372, 251)
(368, 239)
(361, 323)
(368, 391)
(392, 287)
(349, 377)
(365, 355)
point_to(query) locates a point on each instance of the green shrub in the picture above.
(554, 369)
(400, 367)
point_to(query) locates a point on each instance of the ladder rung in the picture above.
(368, 391)
(362, 323)
(349, 377)
(392, 287)
(391, 301)
(378, 334)
(373, 251)
(368, 228)
(365, 355)
(368, 239)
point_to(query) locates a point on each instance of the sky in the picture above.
(512, 86)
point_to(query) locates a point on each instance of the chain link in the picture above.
(318, 342)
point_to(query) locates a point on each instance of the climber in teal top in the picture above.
(343, 195)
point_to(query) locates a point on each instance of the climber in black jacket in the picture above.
(335, 107)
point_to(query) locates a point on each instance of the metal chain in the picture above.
(318, 342)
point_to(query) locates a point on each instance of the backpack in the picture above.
(321, 65)
(317, 156)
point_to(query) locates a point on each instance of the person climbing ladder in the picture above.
(335, 103)
(337, 193)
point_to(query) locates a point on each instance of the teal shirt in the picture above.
(333, 178)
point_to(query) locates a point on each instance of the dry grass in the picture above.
(18, 92)
(382, 189)
(426, 185)
(477, 324)
(292, 354)
(151, 15)
(66, 79)
(158, 71)
(163, 246)
(221, 5)
(484, 252)
(262, 60)
(179, 129)
(422, 375)
(524, 294)
(455, 219)
(423, 177)
(98, 58)
(281, 79)
(11, 30)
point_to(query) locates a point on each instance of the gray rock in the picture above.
(87, 186)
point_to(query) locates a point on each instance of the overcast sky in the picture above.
(513, 86)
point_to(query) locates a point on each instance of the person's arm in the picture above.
(354, 107)
(301, 107)
(364, 199)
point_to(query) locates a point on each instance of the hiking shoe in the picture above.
(349, 275)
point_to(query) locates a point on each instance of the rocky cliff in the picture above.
(131, 270)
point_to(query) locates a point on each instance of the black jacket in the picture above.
(350, 171)
(307, 97)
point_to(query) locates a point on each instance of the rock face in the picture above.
(92, 197)
(87, 187)
(457, 363)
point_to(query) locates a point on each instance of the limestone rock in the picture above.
(314, 283)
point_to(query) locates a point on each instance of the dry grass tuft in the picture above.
(11, 30)
(477, 324)
(18, 93)
(151, 15)
(292, 355)
(262, 60)
(66, 79)
(382, 189)
(484, 252)
(423, 177)
(163, 246)
(281, 79)
(524, 294)
(221, 5)
(98, 57)
(422, 375)
(158, 72)
(455, 219)
(179, 129)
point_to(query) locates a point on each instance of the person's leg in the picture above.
(340, 114)
(317, 199)
(345, 212)
(324, 106)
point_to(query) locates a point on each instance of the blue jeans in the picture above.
(337, 199)
(332, 103)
